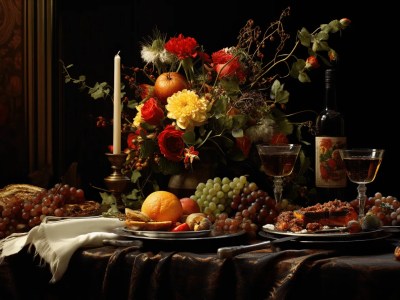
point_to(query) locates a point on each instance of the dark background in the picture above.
(92, 32)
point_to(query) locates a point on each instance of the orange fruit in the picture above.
(162, 206)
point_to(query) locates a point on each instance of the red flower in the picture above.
(228, 70)
(312, 63)
(244, 144)
(182, 47)
(132, 141)
(171, 143)
(190, 155)
(151, 112)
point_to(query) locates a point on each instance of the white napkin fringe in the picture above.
(56, 242)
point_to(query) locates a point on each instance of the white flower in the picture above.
(154, 56)
(262, 131)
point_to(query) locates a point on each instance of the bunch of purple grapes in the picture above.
(256, 205)
(20, 215)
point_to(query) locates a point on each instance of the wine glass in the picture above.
(361, 166)
(278, 161)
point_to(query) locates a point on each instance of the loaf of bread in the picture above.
(136, 220)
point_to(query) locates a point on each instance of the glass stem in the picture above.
(362, 197)
(278, 189)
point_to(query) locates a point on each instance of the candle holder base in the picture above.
(116, 182)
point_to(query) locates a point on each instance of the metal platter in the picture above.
(356, 242)
(168, 234)
(334, 234)
(189, 241)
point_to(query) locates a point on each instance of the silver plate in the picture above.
(168, 234)
(328, 235)
(186, 237)
(336, 242)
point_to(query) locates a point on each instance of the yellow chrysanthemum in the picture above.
(187, 108)
(138, 118)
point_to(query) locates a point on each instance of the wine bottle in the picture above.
(330, 174)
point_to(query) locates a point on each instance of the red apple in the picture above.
(168, 84)
(189, 206)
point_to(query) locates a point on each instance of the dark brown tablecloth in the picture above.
(127, 273)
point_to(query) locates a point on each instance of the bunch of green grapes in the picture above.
(215, 195)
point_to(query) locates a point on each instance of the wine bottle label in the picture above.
(329, 167)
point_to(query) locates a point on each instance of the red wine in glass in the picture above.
(362, 169)
(278, 161)
(278, 164)
(361, 166)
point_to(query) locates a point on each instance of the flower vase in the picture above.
(184, 184)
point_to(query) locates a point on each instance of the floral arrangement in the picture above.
(184, 103)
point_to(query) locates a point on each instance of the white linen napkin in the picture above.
(56, 242)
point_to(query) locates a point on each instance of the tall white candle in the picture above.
(117, 105)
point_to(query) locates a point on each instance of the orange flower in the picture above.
(312, 62)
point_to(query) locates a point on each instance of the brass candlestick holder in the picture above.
(117, 182)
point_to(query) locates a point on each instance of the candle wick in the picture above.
(118, 52)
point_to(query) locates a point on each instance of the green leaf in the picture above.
(133, 194)
(107, 199)
(282, 122)
(304, 37)
(297, 67)
(135, 176)
(322, 36)
(231, 86)
(132, 104)
(320, 46)
(334, 26)
(303, 77)
(97, 94)
(278, 94)
(219, 107)
(189, 138)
